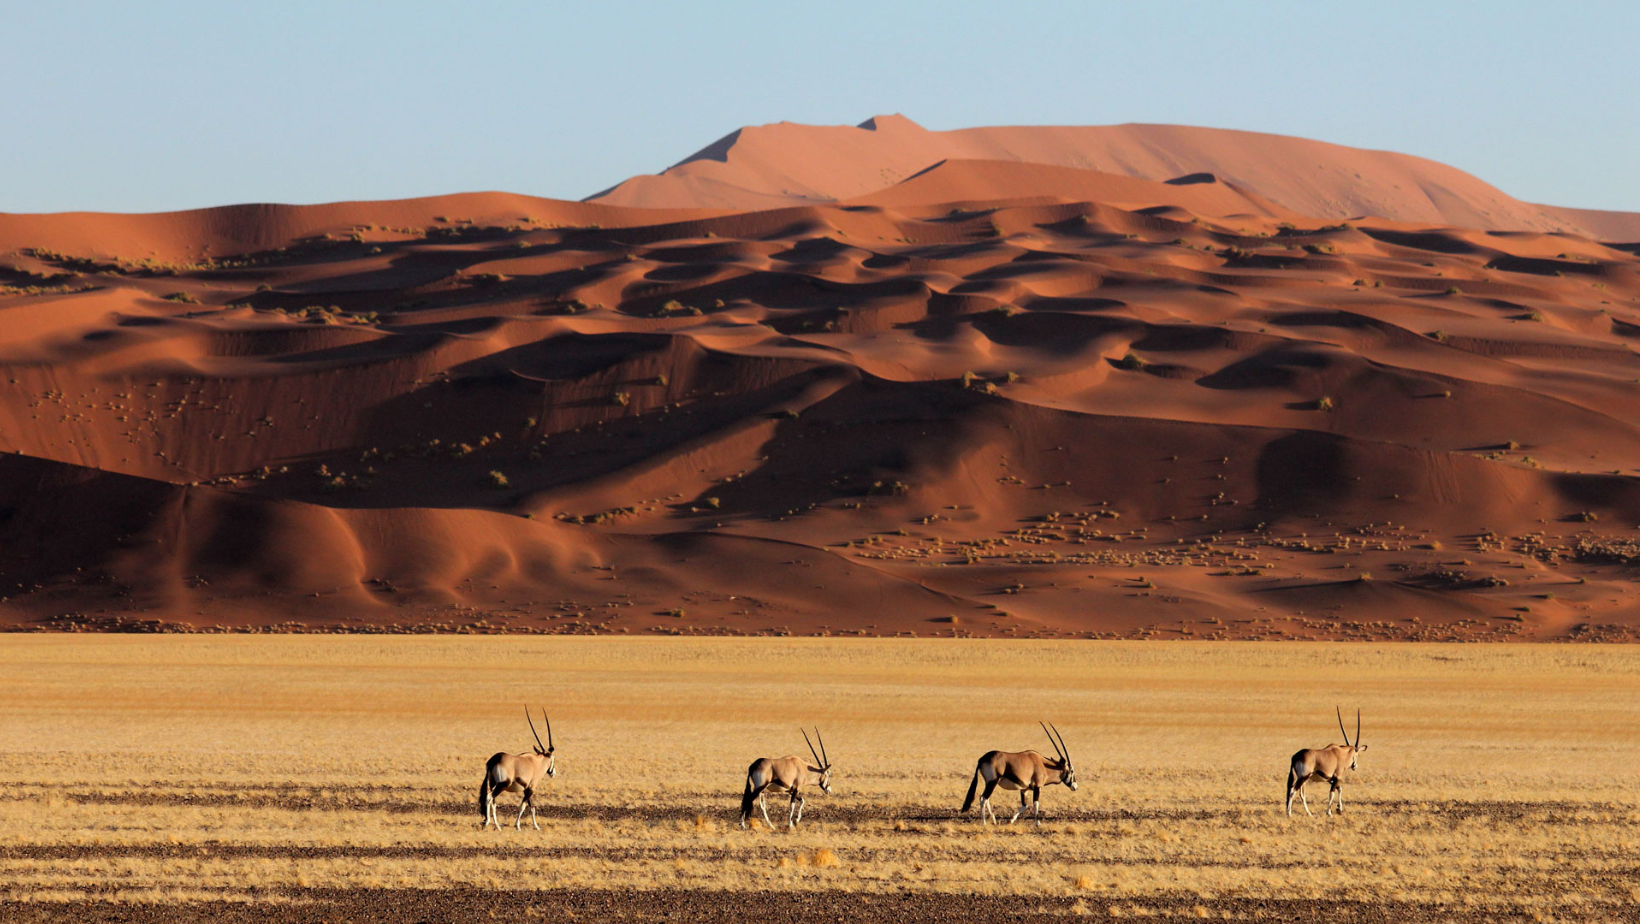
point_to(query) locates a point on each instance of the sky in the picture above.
(158, 106)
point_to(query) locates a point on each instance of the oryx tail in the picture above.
(973, 790)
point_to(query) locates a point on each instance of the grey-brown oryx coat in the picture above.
(785, 774)
(1025, 771)
(517, 773)
(1326, 763)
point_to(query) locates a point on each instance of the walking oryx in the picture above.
(1324, 764)
(785, 774)
(1026, 771)
(517, 773)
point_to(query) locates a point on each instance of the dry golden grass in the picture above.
(167, 769)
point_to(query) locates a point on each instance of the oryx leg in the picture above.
(1036, 806)
(754, 792)
(797, 807)
(518, 823)
(531, 797)
(985, 803)
(494, 815)
(763, 804)
(1303, 799)
(1022, 796)
(1335, 791)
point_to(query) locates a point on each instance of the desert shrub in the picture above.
(675, 308)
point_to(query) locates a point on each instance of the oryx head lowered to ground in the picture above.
(517, 773)
(785, 774)
(1325, 764)
(1026, 771)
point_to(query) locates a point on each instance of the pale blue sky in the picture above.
(128, 107)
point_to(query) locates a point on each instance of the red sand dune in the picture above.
(767, 166)
(990, 398)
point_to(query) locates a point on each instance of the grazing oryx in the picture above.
(1026, 771)
(517, 773)
(785, 774)
(1324, 764)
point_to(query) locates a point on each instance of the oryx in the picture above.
(1026, 771)
(785, 774)
(1324, 764)
(517, 773)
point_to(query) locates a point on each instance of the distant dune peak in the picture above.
(789, 163)
(717, 150)
(891, 122)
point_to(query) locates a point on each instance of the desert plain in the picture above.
(299, 778)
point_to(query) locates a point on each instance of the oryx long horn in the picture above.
(532, 728)
(1056, 748)
(548, 720)
(1063, 746)
(811, 745)
(1357, 726)
(1341, 730)
(825, 759)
